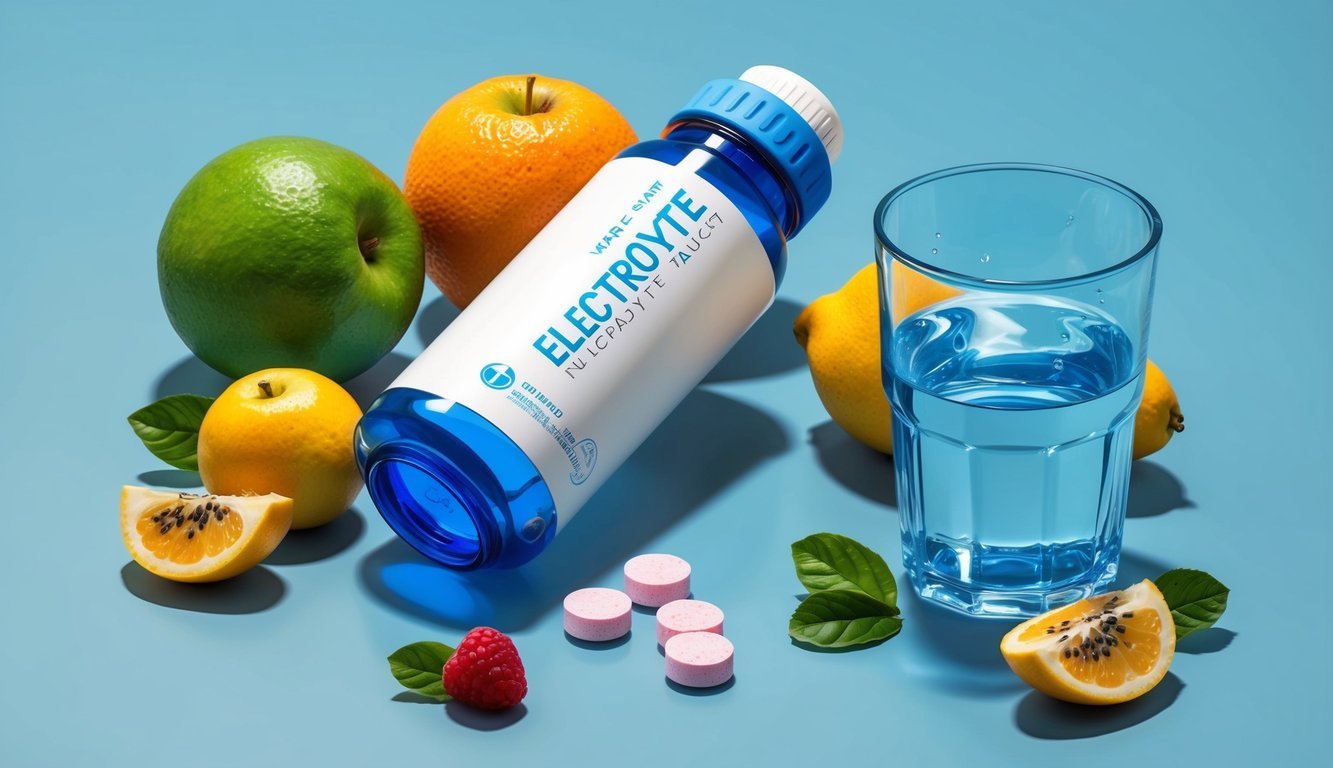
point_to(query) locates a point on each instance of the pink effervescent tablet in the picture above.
(699, 659)
(680, 616)
(655, 580)
(597, 614)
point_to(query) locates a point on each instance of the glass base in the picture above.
(975, 600)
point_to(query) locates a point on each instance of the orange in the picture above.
(186, 537)
(1101, 650)
(287, 431)
(495, 163)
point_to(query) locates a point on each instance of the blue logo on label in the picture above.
(497, 376)
(585, 455)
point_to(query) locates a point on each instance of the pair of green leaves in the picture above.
(169, 428)
(1195, 598)
(853, 596)
(419, 667)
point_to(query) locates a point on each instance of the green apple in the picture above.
(293, 253)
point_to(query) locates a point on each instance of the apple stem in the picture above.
(367, 246)
(266, 387)
(527, 98)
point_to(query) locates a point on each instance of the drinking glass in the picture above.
(1014, 309)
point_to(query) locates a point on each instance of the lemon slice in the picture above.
(1101, 650)
(187, 537)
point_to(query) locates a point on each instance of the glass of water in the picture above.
(1014, 309)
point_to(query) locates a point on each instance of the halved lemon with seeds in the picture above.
(188, 537)
(1101, 650)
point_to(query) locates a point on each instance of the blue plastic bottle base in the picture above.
(451, 484)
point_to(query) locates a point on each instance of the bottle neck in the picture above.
(773, 187)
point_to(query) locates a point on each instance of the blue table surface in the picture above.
(1220, 113)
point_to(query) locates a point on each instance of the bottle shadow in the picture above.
(861, 470)
(367, 386)
(311, 545)
(258, 589)
(434, 318)
(1042, 717)
(767, 349)
(1153, 491)
(723, 439)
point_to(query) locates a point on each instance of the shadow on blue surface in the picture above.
(722, 438)
(434, 318)
(602, 646)
(482, 720)
(192, 376)
(861, 470)
(1135, 567)
(368, 386)
(688, 691)
(171, 478)
(314, 544)
(961, 653)
(767, 349)
(1208, 641)
(408, 697)
(256, 590)
(1042, 717)
(1153, 491)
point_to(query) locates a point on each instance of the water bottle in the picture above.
(490, 441)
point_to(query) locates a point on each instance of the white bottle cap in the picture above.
(803, 97)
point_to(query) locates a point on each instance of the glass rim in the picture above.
(969, 280)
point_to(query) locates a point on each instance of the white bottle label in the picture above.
(604, 322)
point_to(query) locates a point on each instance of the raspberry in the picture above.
(486, 672)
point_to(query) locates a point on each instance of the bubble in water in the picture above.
(937, 234)
(934, 250)
(1069, 220)
(985, 257)
(1059, 364)
(1082, 317)
(1064, 336)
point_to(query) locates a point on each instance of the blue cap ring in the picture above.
(776, 130)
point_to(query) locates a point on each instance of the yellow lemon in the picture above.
(1101, 650)
(840, 333)
(286, 431)
(187, 537)
(1159, 415)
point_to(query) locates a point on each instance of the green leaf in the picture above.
(169, 428)
(419, 667)
(828, 561)
(1196, 599)
(840, 618)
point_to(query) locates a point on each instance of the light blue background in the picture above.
(1220, 113)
